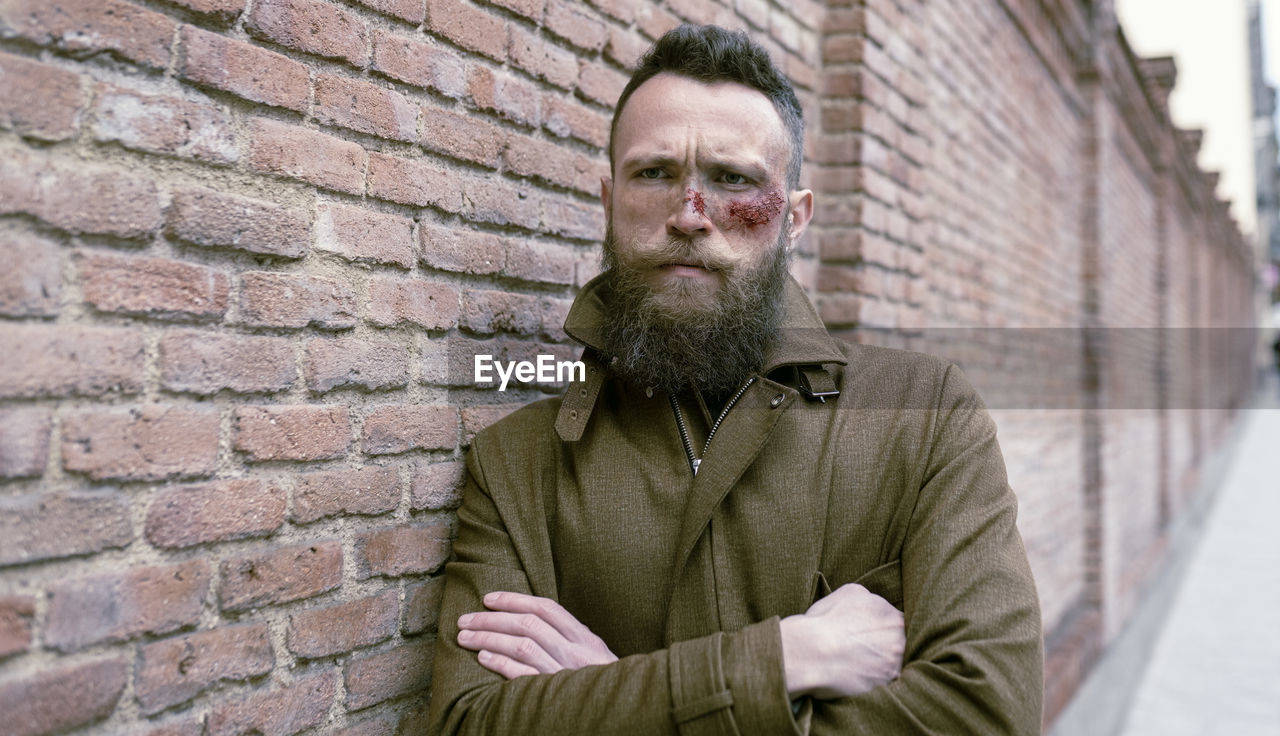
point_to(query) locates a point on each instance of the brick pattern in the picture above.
(252, 249)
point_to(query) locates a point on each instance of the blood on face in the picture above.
(750, 212)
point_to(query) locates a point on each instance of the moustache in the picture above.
(682, 251)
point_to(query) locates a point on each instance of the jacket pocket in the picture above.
(885, 581)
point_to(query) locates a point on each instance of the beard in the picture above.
(691, 335)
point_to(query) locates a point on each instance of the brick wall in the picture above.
(252, 246)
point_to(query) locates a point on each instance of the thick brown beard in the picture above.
(671, 344)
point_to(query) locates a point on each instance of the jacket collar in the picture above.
(801, 338)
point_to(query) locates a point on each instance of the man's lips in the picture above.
(687, 269)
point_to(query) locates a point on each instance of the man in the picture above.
(655, 552)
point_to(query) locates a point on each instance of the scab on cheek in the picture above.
(756, 211)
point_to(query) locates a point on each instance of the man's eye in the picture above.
(731, 178)
(653, 172)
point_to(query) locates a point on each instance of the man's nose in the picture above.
(690, 214)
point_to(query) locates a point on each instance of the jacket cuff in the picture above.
(700, 697)
(754, 672)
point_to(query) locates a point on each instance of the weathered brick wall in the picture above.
(252, 246)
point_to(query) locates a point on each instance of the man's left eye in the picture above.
(731, 178)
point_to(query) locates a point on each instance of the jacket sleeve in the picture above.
(974, 655)
(724, 683)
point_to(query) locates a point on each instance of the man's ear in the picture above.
(606, 193)
(799, 213)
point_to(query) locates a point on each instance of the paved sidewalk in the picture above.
(1215, 670)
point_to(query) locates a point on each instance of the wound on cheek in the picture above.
(699, 204)
(758, 210)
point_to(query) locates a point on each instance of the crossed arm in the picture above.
(971, 662)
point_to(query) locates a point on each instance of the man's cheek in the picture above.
(752, 212)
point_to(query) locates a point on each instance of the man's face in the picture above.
(699, 201)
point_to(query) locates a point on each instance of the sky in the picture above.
(1209, 39)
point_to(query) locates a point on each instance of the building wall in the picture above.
(253, 245)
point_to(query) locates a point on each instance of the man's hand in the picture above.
(526, 635)
(847, 643)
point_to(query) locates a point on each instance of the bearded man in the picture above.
(736, 524)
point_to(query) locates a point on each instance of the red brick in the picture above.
(203, 363)
(62, 697)
(361, 235)
(69, 361)
(437, 486)
(464, 251)
(554, 164)
(531, 9)
(244, 70)
(313, 26)
(600, 84)
(294, 300)
(298, 153)
(468, 26)
(577, 25)
(371, 491)
(477, 417)
(142, 600)
(422, 605)
(488, 311)
(280, 711)
(393, 429)
(217, 219)
(396, 301)
(16, 613)
(465, 137)
(221, 11)
(568, 119)
(501, 202)
(377, 677)
(622, 10)
(625, 48)
(552, 313)
(543, 59)
(44, 527)
(420, 64)
(164, 125)
(323, 632)
(31, 285)
(175, 670)
(292, 432)
(24, 441)
(188, 725)
(407, 10)
(654, 21)
(154, 287)
(347, 362)
(503, 94)
(131, 32)
(573, 219)
(79, 198)
(402, 550)
(364, 107)
(384, 726)
(150, 442)
(280, 576)
(38, 100)
(214, 512)
(415, 182)
(693, 11)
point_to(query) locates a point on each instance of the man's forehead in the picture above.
(726, 117)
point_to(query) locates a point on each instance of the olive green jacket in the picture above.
(897, 484)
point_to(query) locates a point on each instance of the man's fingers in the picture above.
(504, 665)
(520, 650)
(544, 608)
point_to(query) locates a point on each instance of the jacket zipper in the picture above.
(694, 460)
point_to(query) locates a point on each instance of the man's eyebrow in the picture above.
(751, 167)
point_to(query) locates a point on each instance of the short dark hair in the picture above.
(714, 54)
